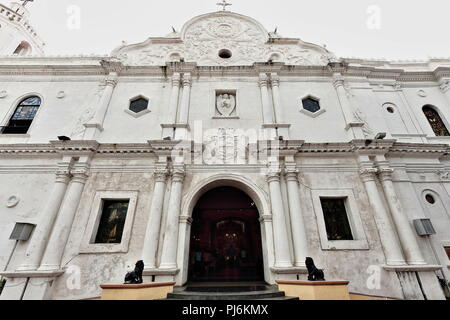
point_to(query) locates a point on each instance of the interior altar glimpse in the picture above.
(220, 161)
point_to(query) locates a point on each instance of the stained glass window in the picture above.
(336, 219)
(139, 105)
(311, 105)
(436, 122)
(23, 116)
(112, 221)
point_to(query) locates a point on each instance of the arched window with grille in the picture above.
(23, 116)
(436, 122)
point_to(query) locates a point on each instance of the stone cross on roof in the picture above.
(224, 4)
(26, 1)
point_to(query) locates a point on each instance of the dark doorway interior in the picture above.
(225, 238)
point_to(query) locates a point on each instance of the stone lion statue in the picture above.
(135, 277)
(314, 274)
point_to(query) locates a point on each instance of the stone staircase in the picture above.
(228, 292)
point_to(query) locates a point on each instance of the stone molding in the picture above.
(160, 147)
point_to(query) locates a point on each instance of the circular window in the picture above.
(390, 109)
(225, 54)
(430, 199)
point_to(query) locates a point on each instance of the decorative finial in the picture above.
(25, 2)
(224, 4)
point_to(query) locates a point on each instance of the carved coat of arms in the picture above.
(225, 104)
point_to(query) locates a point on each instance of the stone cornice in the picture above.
(75, 147)
(286, 147)
(91, 66)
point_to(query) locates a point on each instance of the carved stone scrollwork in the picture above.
(368, 174)
(112, 65)
(161, 174)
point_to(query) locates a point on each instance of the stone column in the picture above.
(404, 228)
(95, 125)
(154, 223)
(275, 79)
(183, 116)
(347, 110)
(61, 230)
(281, 241)
(168, 131)
(267, 112)
(391, 247)
(170, 242)
(296, 214)
(268, 115)
(42, 232)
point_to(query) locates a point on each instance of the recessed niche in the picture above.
(225, 54)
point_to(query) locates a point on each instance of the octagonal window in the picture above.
(310, 104)
(138, 105)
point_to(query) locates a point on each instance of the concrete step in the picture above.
(244, 295)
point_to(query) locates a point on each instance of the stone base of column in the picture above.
(357, 129)
(92, 131)
(160, 275)
(49, 268)
(26, 268)
(277, 130)
(182, 132)
(289, 270)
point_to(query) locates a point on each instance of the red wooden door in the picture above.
(226, 238)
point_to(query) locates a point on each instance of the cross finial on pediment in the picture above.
(25, 2)
(224, 4)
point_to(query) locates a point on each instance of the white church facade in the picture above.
(222, 152)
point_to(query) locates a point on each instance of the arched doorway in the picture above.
(225, 241)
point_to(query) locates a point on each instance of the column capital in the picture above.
(386, 174)
(178, 173)
(338, 80)
(291, 173)
(176, 80)
(112, 66)
(161, 174)
(275, 80)
(111, 80)
(63, 176)
(187, 80)
(368, 174)
(273, 174)
(80, 175)
(263, 80)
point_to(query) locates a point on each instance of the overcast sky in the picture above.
(393, 29)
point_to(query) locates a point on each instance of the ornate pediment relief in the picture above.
(203, 38)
